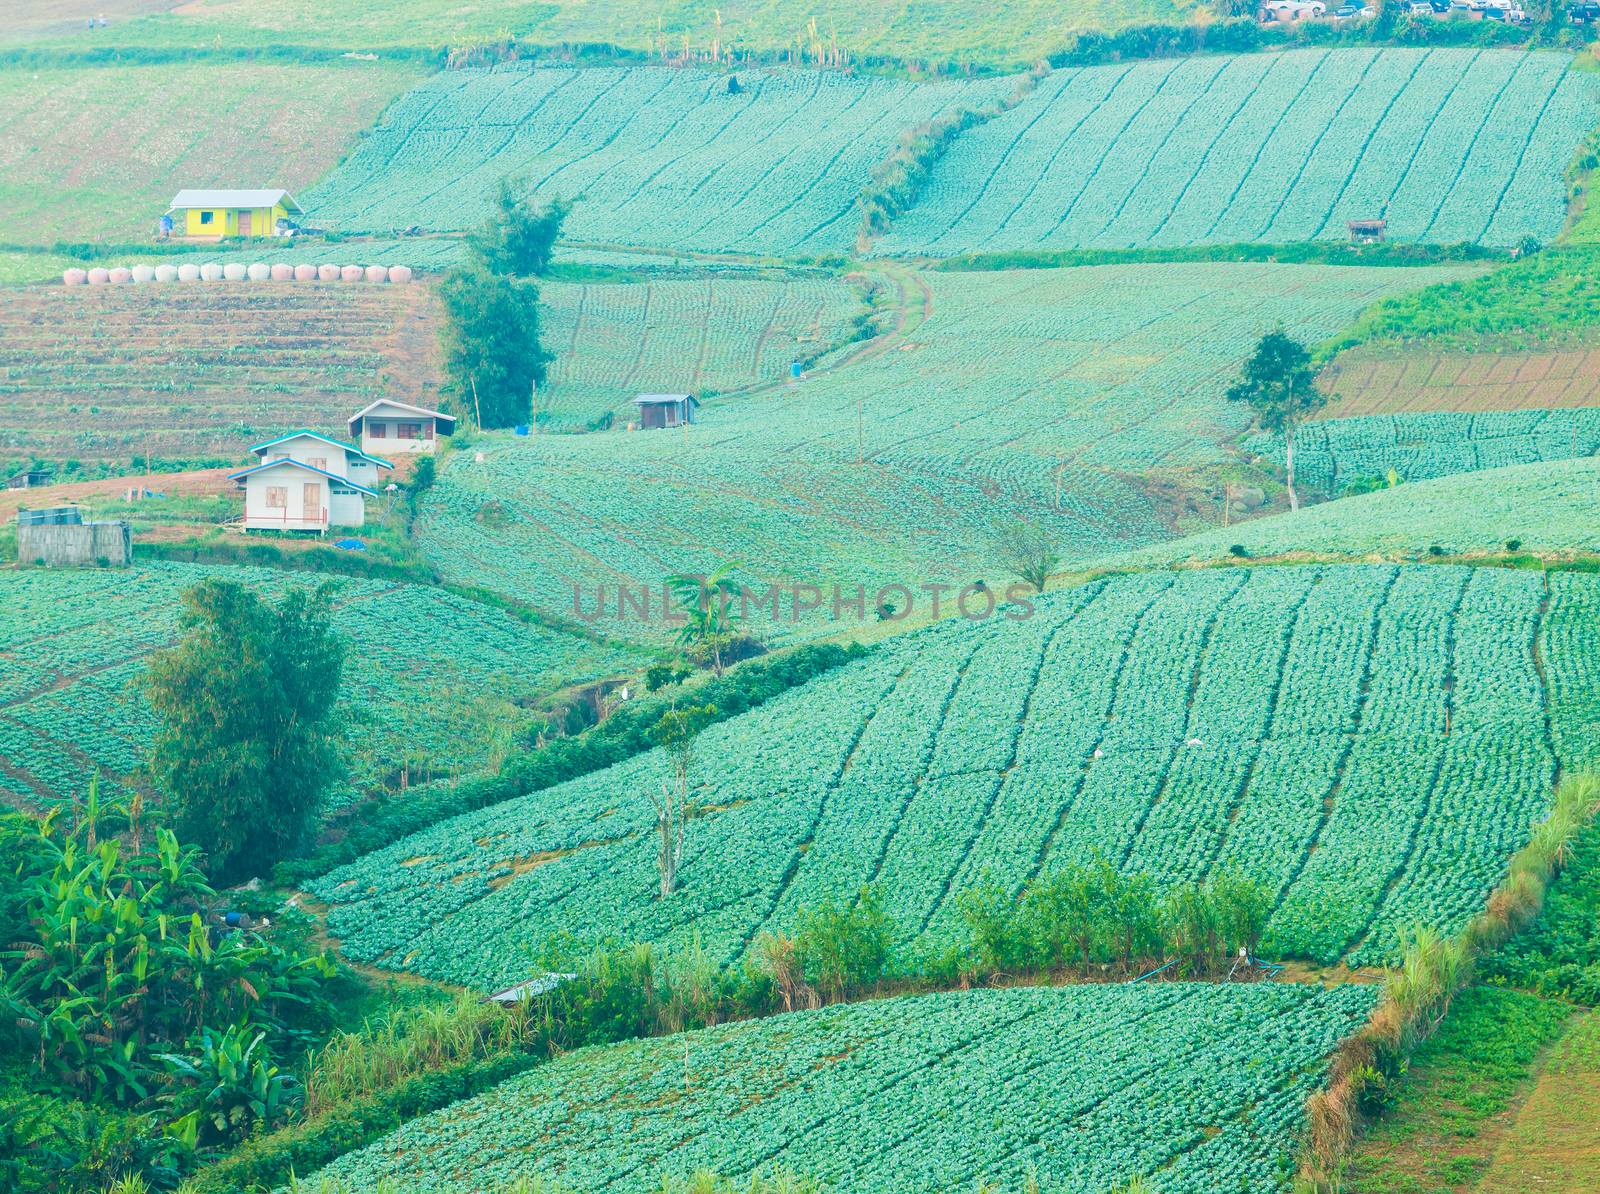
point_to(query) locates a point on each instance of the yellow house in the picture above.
(230, 213)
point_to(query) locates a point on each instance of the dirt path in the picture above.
(201, 483)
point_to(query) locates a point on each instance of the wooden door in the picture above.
(244, 223)
(312, 510)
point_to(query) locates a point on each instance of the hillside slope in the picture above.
(1549, 507)
(1200, 1085)
(672, 158)
(1369, 743)
(430, 684)
(1056, 395)
(97, 154)
(1447, 145)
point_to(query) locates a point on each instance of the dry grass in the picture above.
(1418, 996)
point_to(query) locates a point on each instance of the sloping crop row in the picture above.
(1447, 145)
(428, 682)
(1046, 394)
(1084, 1088)
(1332, 454)
(1367, 742)
(1549, 507)
(676, 158)
(614, 341)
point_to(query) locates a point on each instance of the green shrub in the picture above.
(624, 734)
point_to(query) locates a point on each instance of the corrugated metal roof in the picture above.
(405, 406)
(659, 399)
(291, 462)
(261, 198)
(349, 449)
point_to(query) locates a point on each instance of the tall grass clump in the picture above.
(1417, 997)
(898, 179)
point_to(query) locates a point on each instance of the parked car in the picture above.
(1440, 6)
(1422, 8)
(1510, 14)
(1295, 10)
(1583, 14)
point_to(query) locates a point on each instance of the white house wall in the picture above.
(388, 444)
(295, 516)
(347, 510)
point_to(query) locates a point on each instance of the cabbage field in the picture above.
(663, 157)
(429, 682)
(1084, 1088)
(1551, 507)
(1332, 454)
(1447, 144)
(192, 371)
(615, 341)
(1368, 742)
(1052, 394)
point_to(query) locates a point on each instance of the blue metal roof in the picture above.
(300, 464)
(350, 449)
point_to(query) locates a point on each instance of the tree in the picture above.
(675, 733)
(518, 240)
(710, 623)
(1279, 387)
(248, 741)
(490, 343)
(1027, 550)
(113, 971)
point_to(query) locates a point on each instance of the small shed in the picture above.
(389, 426)
(59, 538)
(216, 214)
(1366, 232)
(665, 410)
(28, 478)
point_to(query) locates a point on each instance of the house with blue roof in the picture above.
(305, 481)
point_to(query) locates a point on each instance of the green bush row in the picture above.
(1392, 253)
(1245, 34)
(625, 733)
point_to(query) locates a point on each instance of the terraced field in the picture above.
(98, 154)
(1447, 145)
(1082, 1088)
(200, 370)
(1394, 381)
(1332, 454)
(1053, 394)
(613, 342)
(429, 682)
(1369, 742)
(662, 157)
(1549, 507)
